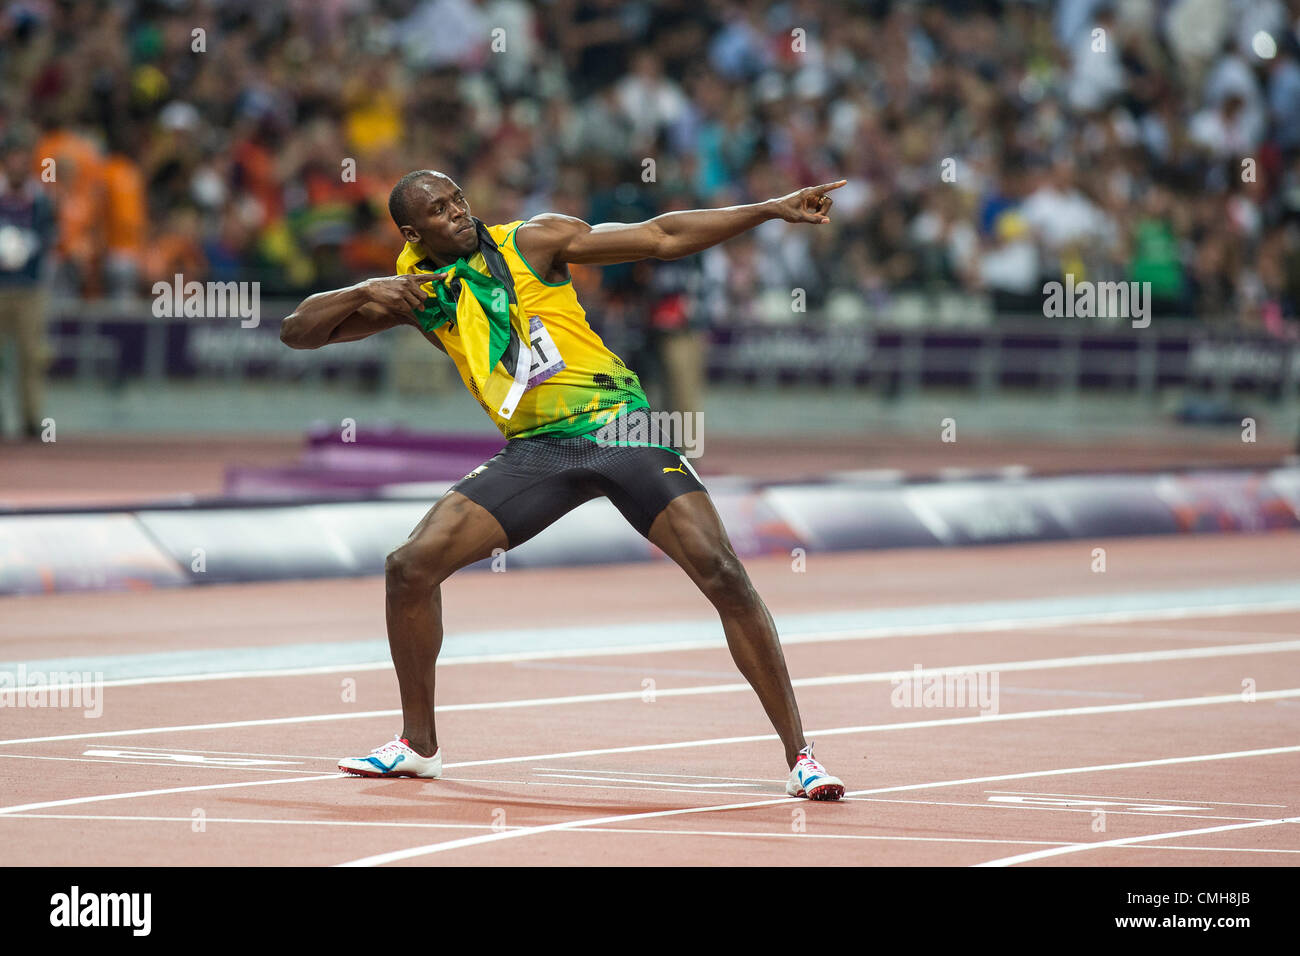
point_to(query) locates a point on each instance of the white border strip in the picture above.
(944, 628)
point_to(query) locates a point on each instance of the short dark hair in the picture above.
(399, 200)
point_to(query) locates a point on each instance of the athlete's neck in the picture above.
(438, 259)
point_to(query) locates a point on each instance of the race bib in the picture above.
(546, 358)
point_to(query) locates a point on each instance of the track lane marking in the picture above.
(487, 826)
(874, 677)
(154, 763)
(912, 725)
(1021, 806)
(1129, 841)
(848, 836)
(22, 808)
(254, 820)
(104, 797)
(384, 824)
(674, 776)
(1102, 796)
(397, 855)
(650, 784)
(753, 738)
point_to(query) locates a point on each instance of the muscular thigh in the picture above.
(643, 481)
(456, 532)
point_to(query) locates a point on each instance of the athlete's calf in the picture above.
(455, 533)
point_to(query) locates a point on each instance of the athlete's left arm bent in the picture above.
(550, 241)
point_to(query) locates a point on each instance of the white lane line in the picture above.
(103, 797)
(815, 637)
(487, 826)
(677, 784)
(620, 785)
(383, 824)
(911, 725)
(653, 787)
(397, 855)
(1172, 633)
(235, 675)
(875, 677)
(379, 859)
(1130, 765)
(1068, 692)
(1129, 841)
(1137, 800)
(255, 820)
(752, 738)
(223, 725)
(674, 776)
(157, 764)
(1209, 849)
(905, 839)
(537, 758)
(638, 671)
(1022, 806)
(225, 753)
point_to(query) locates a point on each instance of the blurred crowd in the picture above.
(989, 146)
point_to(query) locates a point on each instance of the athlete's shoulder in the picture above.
(540, 238)
(549, 227)
(501, 233)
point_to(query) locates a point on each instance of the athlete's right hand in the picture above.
(399, 295)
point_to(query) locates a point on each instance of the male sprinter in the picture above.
(500, 302)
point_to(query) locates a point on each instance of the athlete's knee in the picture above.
(414, 567)
(725, 582)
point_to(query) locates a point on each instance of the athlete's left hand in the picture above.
(810, 204)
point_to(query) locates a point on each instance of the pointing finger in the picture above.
(827, 187)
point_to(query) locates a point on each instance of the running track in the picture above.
(1148, 715)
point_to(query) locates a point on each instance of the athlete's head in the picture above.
(430, 209)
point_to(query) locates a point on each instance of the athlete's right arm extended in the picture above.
(359, 311)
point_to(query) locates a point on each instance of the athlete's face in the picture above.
(440, 220)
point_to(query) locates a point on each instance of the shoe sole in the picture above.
(827, 791)
(824, 791)
(376, 773)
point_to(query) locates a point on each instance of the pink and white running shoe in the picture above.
(810, 779)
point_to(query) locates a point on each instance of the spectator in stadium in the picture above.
(27, 235)
(720, 95)
(678, 325)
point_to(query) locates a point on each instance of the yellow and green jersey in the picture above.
(573, 384)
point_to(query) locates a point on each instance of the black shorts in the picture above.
(532, 482)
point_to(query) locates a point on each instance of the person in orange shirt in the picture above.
(77, 185)
(177, 249)
(125, 212)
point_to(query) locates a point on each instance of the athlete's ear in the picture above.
(410, 235)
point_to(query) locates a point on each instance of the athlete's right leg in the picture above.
(456, 532)
(501, 504)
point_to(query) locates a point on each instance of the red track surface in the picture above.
(1074, 759)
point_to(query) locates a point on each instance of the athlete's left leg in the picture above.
(690, 532)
